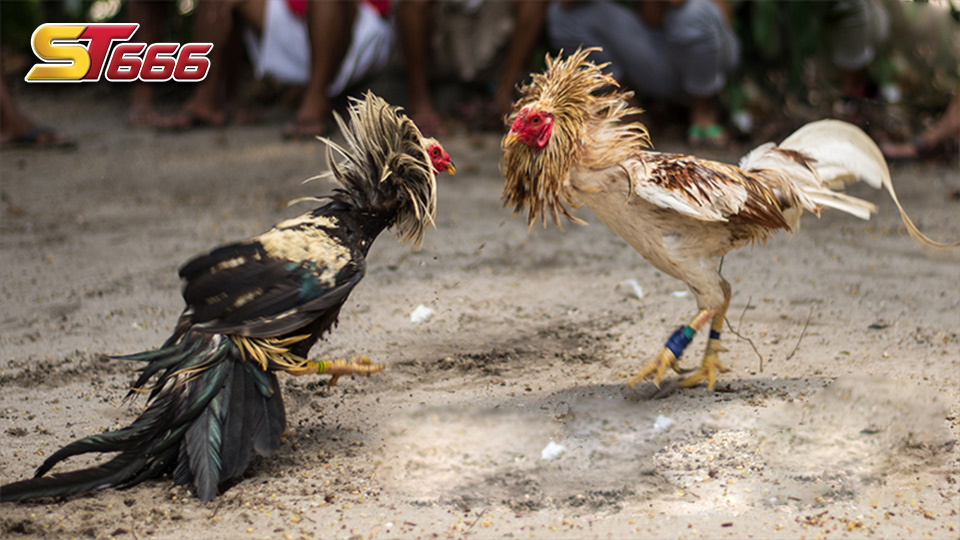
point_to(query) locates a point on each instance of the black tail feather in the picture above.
(111, 473)
(162, 359)
(203, 440)
(236, 456)
(209, 412)
(267, 415)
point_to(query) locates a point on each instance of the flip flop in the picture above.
(712, 136)
(41, 138)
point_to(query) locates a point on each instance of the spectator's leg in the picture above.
(854, 28)
(948, 127)
(330, 26)
(13, 123)
(704, 49)
(943, 132)
(528, 20)
(414, 20)
(150, 15)
(216, 21)
(18, 128)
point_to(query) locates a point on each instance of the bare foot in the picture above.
(192, 116)
(39, 137)
(141, 113)
(139, 116)
(917, 148)
(904, 150)
(306, 128)
(247, 116)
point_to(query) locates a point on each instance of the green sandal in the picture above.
(712, 136)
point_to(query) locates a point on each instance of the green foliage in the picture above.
(788, 71)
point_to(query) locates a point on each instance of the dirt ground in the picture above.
(847, 427)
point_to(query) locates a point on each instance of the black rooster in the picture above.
(257, 307)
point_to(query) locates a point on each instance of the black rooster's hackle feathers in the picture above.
(387, 166)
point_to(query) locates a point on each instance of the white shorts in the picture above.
(283, 51)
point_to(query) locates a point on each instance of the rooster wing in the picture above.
(275, 283)
(706, 190)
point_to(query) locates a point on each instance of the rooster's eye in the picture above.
(535, 120)
(436, 152)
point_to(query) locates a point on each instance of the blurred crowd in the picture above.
(710, 71)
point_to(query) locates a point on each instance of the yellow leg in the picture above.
(670, 354)
(358, 365)
(711, 364)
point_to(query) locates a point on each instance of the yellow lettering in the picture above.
(58, 54)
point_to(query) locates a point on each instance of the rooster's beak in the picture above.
(451, 169)
(510, 139)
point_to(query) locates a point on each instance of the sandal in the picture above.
(712, 136)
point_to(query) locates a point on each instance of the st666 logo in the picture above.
(67, 59)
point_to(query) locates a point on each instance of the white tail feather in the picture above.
(842, 154)
(841, 201)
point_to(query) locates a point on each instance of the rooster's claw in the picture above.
(657, 367)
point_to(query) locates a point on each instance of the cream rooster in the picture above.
(568, 145)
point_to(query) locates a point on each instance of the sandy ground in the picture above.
(849, 431)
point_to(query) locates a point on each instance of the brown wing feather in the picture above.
(708, 190)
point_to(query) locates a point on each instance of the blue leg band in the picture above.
(680, 339)
(714, 334)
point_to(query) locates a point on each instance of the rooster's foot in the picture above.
(358, 365)
(657, 367)
(707, 372)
